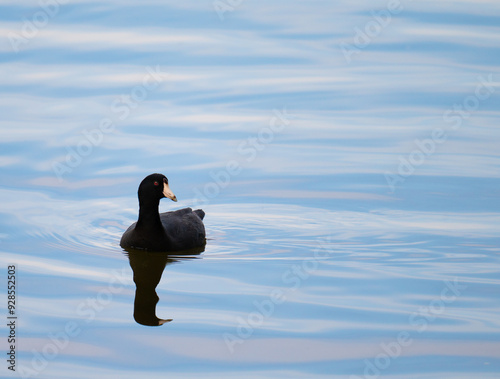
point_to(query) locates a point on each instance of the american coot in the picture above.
(170, 231)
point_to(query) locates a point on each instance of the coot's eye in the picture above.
(156, 183)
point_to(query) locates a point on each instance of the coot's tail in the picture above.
(200, 213)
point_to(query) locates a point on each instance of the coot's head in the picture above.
(155, 187)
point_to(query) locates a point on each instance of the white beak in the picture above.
(167, 192)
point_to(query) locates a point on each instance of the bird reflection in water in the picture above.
(148, 268)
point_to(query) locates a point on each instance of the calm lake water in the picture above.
(346, 156)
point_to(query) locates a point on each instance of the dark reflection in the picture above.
(148, 268)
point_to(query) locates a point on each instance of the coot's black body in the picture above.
(170, 231)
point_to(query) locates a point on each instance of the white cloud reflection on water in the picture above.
(322, 90)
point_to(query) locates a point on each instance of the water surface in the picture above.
(346, 156)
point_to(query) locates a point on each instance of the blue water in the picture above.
(346, 156)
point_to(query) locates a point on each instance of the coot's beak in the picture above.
(167, 192)
(161, 322)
